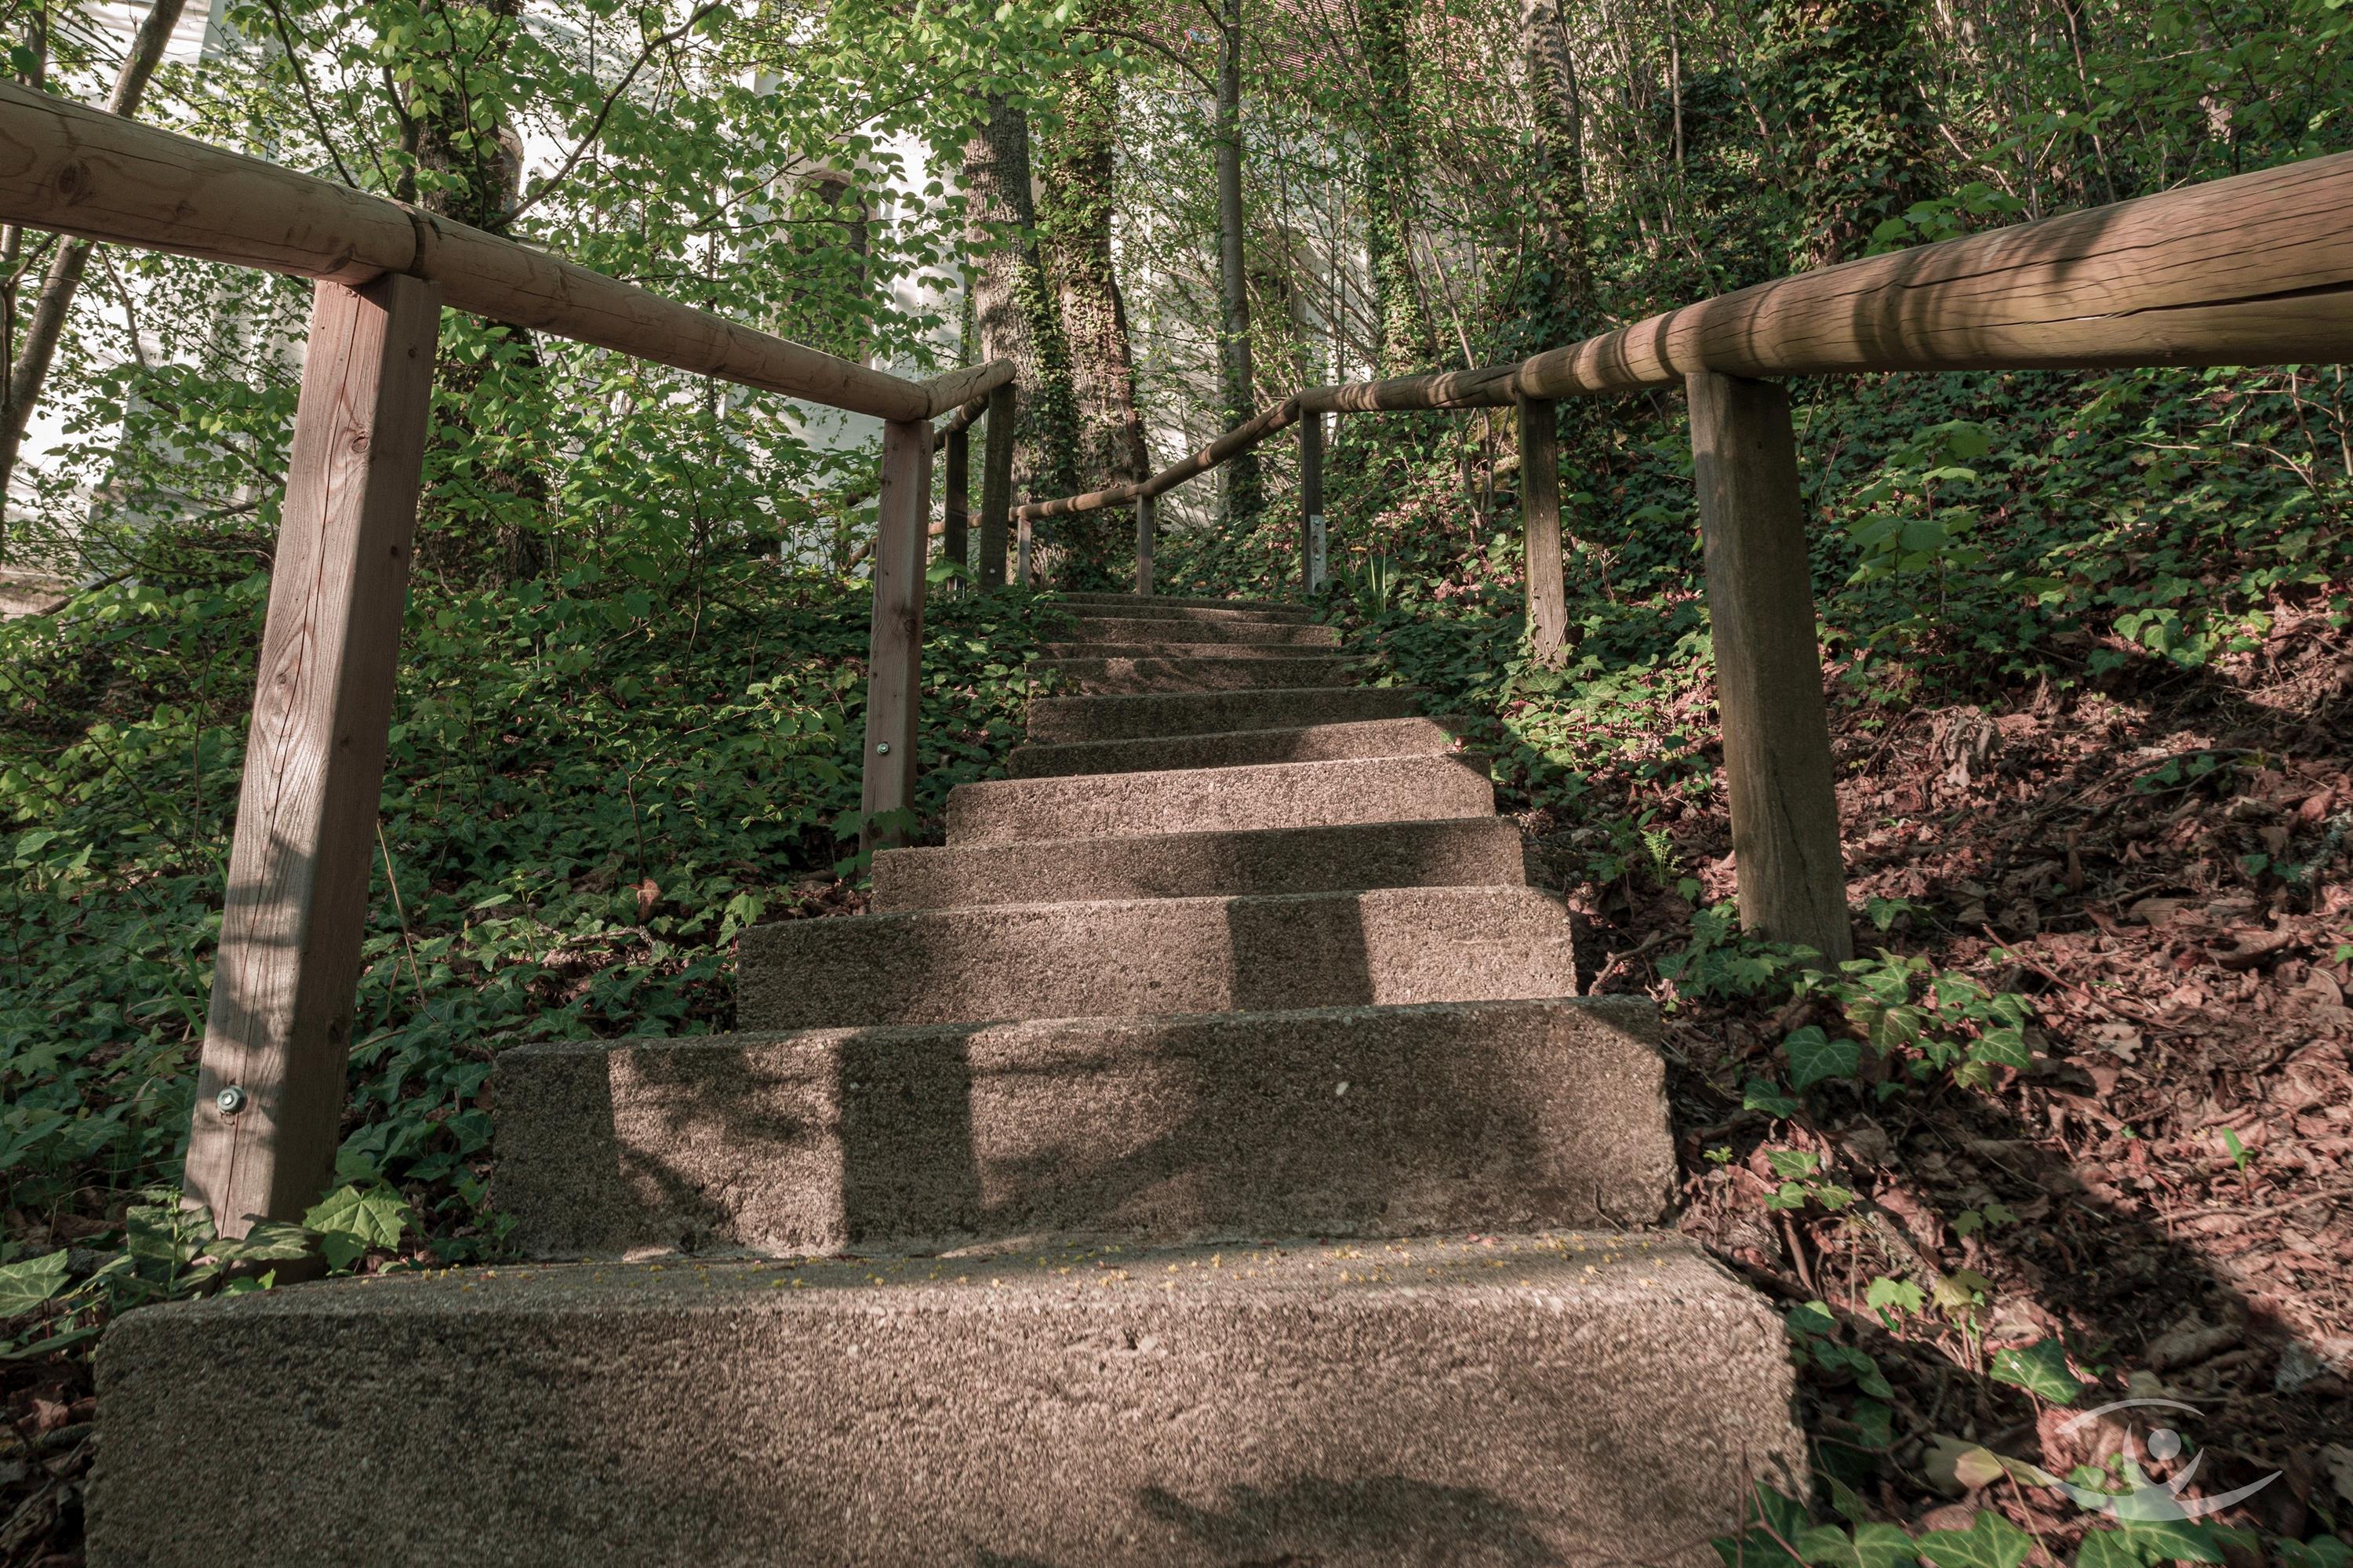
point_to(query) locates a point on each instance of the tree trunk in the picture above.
(1075, 207)
(477, 172)
(1559, 306)
(1015, 308)
(1076, 195)
(1843, 77)
(1245, 484)
(28, 366)
(1405, 345)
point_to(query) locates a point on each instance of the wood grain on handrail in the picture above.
(67, 168)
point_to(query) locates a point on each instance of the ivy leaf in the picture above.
(2107, 1548)
(1990, 1541)
(2040, 1370)
(2172, 1541)
(1762, 1095)
(1887, 1293)
(1814, 1055)
(25, 1285)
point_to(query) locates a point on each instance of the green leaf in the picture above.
(2107, 1548)
(1763, 1095)
(2040, 1369)
(2320, 1552)
(1791, 1163)
(25, 1285)
(2157, 1541)
(1889, 1294)
(1990, 1541)
(351, 1220)
(1814, 1055)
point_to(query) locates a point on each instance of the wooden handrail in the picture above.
(2252, 269)
(77, 170)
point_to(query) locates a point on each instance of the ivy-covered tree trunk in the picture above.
(1403, 343)
(1843, 77)
(1558, 302)
(1076, 168)
(468, 168)
(1245, 480)
(1015, 306)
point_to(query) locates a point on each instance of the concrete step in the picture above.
(1157, 605)
(1344, 1121)
(1240, 748)
(1123, 957)
(1155, 715)
(1213, 800)
(1545, 1398)
(1475, 852)
(1149, 650)
(1106, 677)
(1136, 629)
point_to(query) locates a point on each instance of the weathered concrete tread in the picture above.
(1128, 602)
(1166, 650)
(1197, 799)
(1533, 1399)
(1125, 958)
(1241, 748)
(1462, 852)
(1393, 1121)
(1156, 714)
(1131, 629)
(1154, 673)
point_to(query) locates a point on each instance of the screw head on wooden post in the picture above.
(881, 748)
(230, 1100)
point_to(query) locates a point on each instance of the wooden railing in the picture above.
(2254, 269)
(270, 1082)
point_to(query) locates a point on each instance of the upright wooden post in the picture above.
(894, 663)
(995, 486)
(1144, 507)
(1311, 502)
(1540, 520)
(1021, 553)
(270, 1086)
(1768, 670)
(956, 544)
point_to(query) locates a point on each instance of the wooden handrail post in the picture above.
(270, 1087)
(894, 661)
(956, 545)
(1021, 552)
(1540, 521)
(1768, 670)
(1311, 502)
(1143, 508)
(995, 486)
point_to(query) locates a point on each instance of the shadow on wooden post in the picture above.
(894, 662)
(995, 486)
(1540, 524)
(1144, 526)
(269, 1090)
(1768, 667)
(1311, 502)
(956, 524)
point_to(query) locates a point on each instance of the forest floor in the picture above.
(2166, 1187)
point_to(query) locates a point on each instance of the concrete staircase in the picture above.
(1204, 1157)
